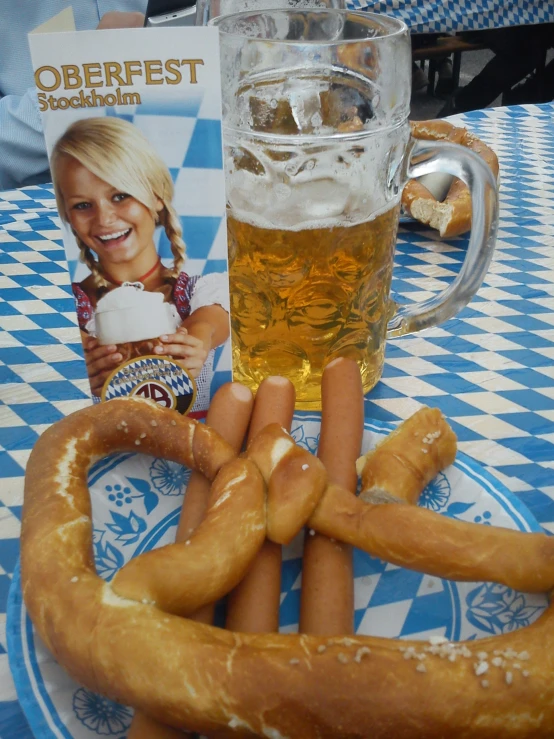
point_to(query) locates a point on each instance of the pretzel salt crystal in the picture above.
(194, 676)
(452, 216)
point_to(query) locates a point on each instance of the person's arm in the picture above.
(23, 159)
(121, 19)
(206, 326)
(210, 324)
(201, 332)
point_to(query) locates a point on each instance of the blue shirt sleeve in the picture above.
(23, 159)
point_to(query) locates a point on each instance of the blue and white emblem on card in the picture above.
(155, 378)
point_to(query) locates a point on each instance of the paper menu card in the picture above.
(132, 123)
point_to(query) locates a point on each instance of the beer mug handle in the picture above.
(426, 157)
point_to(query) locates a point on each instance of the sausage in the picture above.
(274, 403)
(327, 595)
(253, 606)
(229, 414)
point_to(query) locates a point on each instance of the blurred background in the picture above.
(426, 106)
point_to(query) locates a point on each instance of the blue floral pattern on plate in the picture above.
(135, 502)
(169, 478)
(100, 715)
(437, 493)
(108, 558)
(127, 529)
(498, 609)
(301, 436)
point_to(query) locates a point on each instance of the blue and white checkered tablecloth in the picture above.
(490, 370)
(450, 16)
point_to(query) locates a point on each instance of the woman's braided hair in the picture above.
(118, 153)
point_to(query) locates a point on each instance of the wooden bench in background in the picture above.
(441, 47)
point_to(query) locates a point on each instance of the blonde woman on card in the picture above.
(113, 190)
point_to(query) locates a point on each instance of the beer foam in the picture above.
(326, 223)
(129, 296)
(341, 181)
(130, 313)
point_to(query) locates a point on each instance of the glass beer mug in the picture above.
(207, 10)
(317, 151)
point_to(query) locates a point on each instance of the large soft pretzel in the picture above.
(452, 216)
(130, 639)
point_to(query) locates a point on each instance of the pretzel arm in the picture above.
(295, 481)
(451, 217)
(180, 578)
(202, 678)
(401, 465)
(57, 501)
(422, 540)
(397, 471)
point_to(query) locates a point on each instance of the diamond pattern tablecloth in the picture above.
(490, 370)
(451, 16)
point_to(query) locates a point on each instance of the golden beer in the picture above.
(300, 298)
(313, 212)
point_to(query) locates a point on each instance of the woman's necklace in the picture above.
(143, 277)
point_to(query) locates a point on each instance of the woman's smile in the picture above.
(114, 238)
